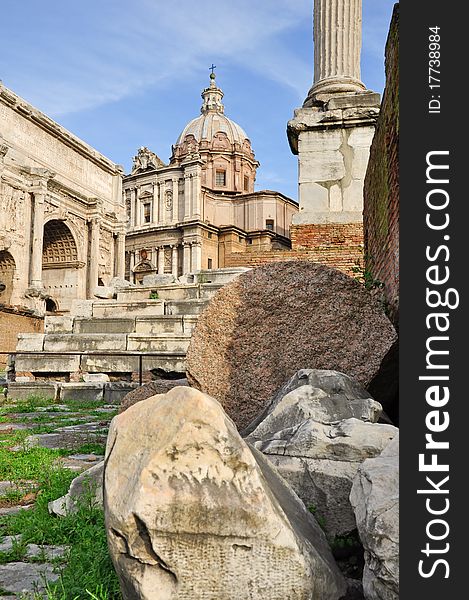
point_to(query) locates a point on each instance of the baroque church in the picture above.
(190, 214)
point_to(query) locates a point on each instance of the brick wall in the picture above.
(341, 235)
(12, 322)
(381, 193)
(339, 257)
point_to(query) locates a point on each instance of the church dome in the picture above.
(212, 123)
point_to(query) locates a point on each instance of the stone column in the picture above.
(132, 207)
(186, 263)
(120, 262)
(160, 260)
(337, 46)
(196, 194)
(132, 265)
(196, 256)
(93, 259)
(175, 209)
(154, 204)
(138, 208)
(187, 197)
(174, 261)
(37, 238)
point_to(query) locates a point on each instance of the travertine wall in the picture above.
(50, 177)
(13, 322)
(381, 201)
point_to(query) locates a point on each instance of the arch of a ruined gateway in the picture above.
(7, 276)
(63, 272)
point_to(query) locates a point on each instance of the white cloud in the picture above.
(78, 62)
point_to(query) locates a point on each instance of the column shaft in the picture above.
(337, 46)
(186, 263)
(37, 240)
(93, 259)
(174, 261)
(120, 259)
(161, 260)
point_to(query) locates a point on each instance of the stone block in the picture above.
(186, 307)
(60, 324)
(161, 324)
(104, 325)
(82, 308)
(168, 363)
(320, 140)
(321, 166)
(47, 363)
(178, 292)
(351, 101)
(361, 137)
(139, 342)
(30, 342)
(157, 280)
(219, 276)
(335, 198)
(116, 309)
(82, 342)
(109, 364)
(134, 294)
(208, 290)
(23, 391)
(115, 391)
(95, 377)
(353, 196)
(87, 392)
(104, 291)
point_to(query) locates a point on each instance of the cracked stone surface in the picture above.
(190, 506)
(21, 577)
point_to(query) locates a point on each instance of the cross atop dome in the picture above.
(212, 96)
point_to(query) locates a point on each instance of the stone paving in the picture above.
(68, 429)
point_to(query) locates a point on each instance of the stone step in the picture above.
(164, 361)
(175, 291)
(116, 309)
(83, 342)
(186, 307)
(176, 324)
(163, 342)
(109, 325)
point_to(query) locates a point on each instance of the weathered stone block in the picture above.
(82, 342)
(163, 324)
(165, 342)
(82, 308)
(59, 324)
(30, 342)
(47, 363)
(183, 307)
(115, 391)
(190, 508)
(115, 309)
(23, 391)
(87, 392)
(109, 364)
(104, 325)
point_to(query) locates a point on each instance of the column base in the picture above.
(324, 89)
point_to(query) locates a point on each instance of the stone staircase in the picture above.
(144, 327)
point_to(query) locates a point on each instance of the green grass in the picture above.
(88, 569)
(88, 573)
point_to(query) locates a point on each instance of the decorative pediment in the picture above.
(144, 266)
(146, 160)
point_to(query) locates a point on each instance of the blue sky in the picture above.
(121, 74)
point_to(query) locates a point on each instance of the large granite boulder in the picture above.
(147, 390)
(272, 321)
(375, 500)
(193, 512)
(317, 430)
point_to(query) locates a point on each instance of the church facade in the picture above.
(62, 218)
(191, 213)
